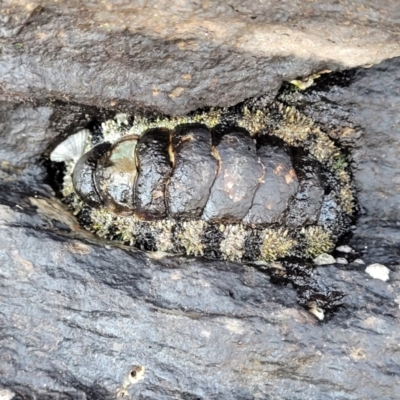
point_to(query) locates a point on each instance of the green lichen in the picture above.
(317, 241)
(276, 243)
(191, 237)
(232, 246)
(294, 128)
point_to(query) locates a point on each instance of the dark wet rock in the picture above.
(368, 102)
(156, 55)
(78, 315)
(89, 313)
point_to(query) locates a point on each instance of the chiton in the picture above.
(251, 183)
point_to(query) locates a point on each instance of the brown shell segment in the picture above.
(83, 175)
(278, 187)
(115, 175)
(239, 174)
(154, 170)
(193, 174)
(306, 206)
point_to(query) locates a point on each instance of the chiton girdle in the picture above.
(271, 184)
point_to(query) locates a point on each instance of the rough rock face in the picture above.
(177, 56)
(368, 102)
(78, 315)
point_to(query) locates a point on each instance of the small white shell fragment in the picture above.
(6, 394)
(122, 118)
(324, 259)
(341, 260)
(72, 148)
(316, 311)
(378, 271)
(274, 265)
(344, 249)
(359, 261)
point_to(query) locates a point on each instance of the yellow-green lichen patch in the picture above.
(164, 241)
(114, 129)
(191, 237)
(142, 123)
(343, 176)
(125, 228)
(102, 222)
(317, 241)
(305, 83)
(347, 199)
(232, 246)
(276, 243)
(323, 148)
(253, 121)
(68, 187)
(294, 128)
(339, 164)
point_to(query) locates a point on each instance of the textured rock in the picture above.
(363, 108)
(78, 315)
(23, 131)
(181, 55)
(90, 312)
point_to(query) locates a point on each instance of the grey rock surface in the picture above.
(177, 56)
(362, 111)
(23, 133)
(77, 314)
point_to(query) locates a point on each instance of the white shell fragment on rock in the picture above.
(378, 271)
(344, 249)
(6, 394)
(324, 259)
(318, 312)
(341, 260)
(72, 148)
(358, 261)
